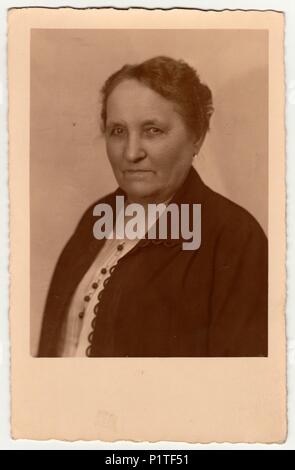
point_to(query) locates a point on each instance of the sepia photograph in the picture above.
(139, 121)
(147, 225)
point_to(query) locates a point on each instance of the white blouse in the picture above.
(74, 340)
(74, 336)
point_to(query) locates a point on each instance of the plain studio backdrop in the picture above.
(69, 168)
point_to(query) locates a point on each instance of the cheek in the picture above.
(113, 151)
(172, 155)
(164, 153)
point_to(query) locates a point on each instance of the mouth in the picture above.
(137, 171)
(137, 174)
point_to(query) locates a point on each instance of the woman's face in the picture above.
(148, 144)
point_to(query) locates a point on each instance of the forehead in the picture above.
(132, 101)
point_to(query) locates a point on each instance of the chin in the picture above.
(139, 192)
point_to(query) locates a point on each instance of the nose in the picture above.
(134, 151)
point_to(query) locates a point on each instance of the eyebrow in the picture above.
(156, 121)
(148, 122)
(114, 123)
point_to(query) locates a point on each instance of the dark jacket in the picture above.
(163, 301)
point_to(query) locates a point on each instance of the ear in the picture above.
(198, 144)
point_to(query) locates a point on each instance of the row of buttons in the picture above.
(96, 308)
(95, 284)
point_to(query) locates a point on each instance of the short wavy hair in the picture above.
(176, 81)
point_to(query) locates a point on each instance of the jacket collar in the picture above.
(192, 191)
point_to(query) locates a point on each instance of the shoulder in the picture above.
(222, 216)
(87, 218)
(82, 236)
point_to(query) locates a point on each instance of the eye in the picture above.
(117, 131)
(153, 131)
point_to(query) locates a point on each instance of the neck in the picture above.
(145, 202)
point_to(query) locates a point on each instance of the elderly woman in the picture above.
(147, 297)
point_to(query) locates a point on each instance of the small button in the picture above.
(95, 285)
(86, 298)
(120, 247)
(81, 315)
(103, 271)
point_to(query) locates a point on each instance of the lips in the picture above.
(137, 171)
(139, 175)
